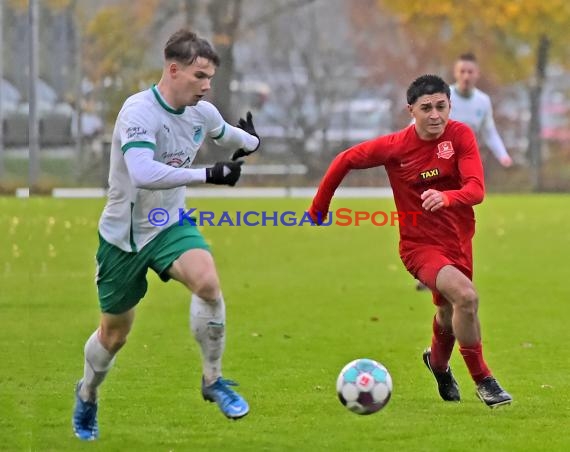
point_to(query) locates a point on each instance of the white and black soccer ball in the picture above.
(364, 386)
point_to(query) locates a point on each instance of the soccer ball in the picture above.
(364, 386)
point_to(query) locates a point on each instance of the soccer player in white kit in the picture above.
(156, 137)
(473, 107)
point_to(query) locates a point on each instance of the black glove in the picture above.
(224, 173)
(247, 125)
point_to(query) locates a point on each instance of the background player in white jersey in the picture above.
(156, 137)
(473, 107)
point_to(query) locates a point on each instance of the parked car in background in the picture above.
(353, 121)
(15, 116)
(278, 128)
(11, 97)
(57, 119)
(330, 128)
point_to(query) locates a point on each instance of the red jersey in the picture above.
(450, 164)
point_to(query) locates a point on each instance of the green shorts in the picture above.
(121, 276)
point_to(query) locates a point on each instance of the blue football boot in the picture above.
(230, 402)
(85, 418)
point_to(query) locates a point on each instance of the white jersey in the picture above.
(147, 121)
(477, 112)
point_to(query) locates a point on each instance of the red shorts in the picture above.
(425, 262)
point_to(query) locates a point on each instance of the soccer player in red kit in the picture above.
(433, 163)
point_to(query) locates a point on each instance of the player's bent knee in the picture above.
(467, 301)
(112, 339)
(445, 313)
(113, 342)
(207, 287)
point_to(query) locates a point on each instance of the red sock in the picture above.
(441, 347)
(473, 356)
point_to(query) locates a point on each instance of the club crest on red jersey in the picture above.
(445, 150)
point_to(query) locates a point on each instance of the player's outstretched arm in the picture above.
(147, 173)
(368, 154)
(494, 141)
(152, 175)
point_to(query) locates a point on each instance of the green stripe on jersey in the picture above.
(138, 144)
(217, 137)
(163, 103)
(131, 232)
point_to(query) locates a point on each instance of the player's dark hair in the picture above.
(467, 56)
(185, 46)
(426, 84)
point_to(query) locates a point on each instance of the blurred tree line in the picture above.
(311, 53)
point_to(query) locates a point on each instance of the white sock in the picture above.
(207, 322)
(98, 361)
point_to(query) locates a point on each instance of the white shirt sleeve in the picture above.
(235, 137)
(491, 137)
(147, 173)
(136, 128)
(225, 134)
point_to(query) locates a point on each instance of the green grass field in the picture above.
(301, 302)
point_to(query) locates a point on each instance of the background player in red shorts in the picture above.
(433, 163)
